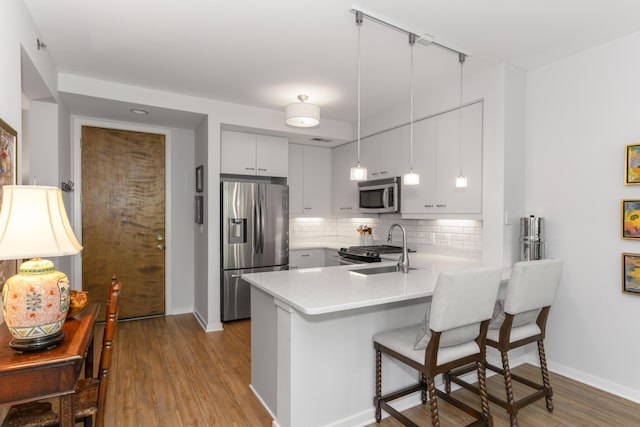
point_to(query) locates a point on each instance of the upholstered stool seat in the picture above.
(402, 340)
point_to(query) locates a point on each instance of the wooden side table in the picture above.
(32, 376)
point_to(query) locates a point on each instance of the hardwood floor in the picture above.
(168, 372)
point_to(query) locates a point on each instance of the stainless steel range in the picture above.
(366, 254)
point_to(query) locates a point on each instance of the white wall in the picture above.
(180, 199)
(581, 112)
(201, 280)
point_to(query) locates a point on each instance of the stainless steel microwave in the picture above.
(379, 196)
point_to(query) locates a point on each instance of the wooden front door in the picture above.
(123, 218)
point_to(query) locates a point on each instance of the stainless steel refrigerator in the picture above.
(255, 238)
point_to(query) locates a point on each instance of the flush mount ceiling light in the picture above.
(139, 111)
(302, 114)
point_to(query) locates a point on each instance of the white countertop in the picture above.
(316, 291)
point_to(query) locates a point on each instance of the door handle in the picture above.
(159, 237)
(160, 247)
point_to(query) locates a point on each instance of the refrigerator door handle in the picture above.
(263, 201)
(256, 229)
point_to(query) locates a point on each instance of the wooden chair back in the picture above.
(107, 347)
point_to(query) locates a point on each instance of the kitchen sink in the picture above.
(379, 270)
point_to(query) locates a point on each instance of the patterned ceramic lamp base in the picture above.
(36, 344)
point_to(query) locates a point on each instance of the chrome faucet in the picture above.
(403, 261)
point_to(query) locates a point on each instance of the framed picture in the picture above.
(8, 176)
(199, 210)
(632, 164)
(631, 273)
(200, 179)
(630, 210)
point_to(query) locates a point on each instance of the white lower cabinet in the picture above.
(310, 172)
(331, 258)
(306, 258)
(313, 258)
(439, 156)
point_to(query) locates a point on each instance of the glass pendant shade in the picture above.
(461, 181)
(411, 178)
(358, 173)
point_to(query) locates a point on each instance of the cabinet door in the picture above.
(272, 156)
(422, 198)
(382, 154)
(237, 153)
(331, 258)
(296, 179)
(345, 191)
(317, 180)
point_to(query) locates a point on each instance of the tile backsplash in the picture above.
(446, 233)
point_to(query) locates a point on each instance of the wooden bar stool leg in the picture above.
(511, 407)
(378, 385)
(482, 385)
(447, 382)
(423, 393)
(433, 404)
(545, 376)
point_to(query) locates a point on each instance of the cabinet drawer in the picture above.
(306, 258)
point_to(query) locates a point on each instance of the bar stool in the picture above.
(519, 320)
(452, 335)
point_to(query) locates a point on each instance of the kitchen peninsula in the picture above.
(312, 358)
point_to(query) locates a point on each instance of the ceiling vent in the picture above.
(317, 139)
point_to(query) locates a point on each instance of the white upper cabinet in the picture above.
(383, 154)
(345, 191)
(251, 154)
(438, 156)
(310, 172)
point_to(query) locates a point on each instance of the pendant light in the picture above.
(461, 180)
(411, 178)
(358, 173)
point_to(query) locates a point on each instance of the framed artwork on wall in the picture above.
(631, 273)
(199, 210)
(630, 210)
(200, 179)
(632, 164)
(8, 176)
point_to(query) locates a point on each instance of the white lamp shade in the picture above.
(34, 223)
(302, 115)
(358, 173)
(411, 178)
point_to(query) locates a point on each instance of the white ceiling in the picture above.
(265, 53)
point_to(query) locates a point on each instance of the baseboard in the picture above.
(593, 381)
(207, 328)
(264, 405)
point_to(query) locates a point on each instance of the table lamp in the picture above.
(34, 223)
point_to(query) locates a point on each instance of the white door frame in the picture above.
(76, 152)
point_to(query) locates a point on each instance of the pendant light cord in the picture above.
(461, 58)
(412, 42)
(359, 18)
